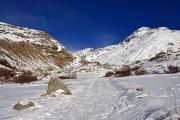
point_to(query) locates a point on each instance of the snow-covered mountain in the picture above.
(147, 97)
(33, 49)
(29, 48)
(143, 44)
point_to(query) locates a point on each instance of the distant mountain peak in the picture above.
(143, 44)
(141, 31)
(138, 33)
(163, 28)
(143, 28)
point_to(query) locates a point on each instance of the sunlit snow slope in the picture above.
(143, 44)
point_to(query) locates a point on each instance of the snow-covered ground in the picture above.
(97, 98)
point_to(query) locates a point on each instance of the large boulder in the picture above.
(20, 106)
(56, 84)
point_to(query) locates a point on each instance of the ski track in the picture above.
(92, 99)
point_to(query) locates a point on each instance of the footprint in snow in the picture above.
(142, 96)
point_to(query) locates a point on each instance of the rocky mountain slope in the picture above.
(22, 48)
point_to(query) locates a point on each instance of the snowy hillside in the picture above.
(32, 49)
(143, 44)
(20, 34)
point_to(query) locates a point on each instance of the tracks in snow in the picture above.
(93, 99)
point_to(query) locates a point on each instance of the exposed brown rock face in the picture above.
(124, 71)
(26, 51)
(23, 47)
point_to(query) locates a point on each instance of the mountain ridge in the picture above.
(32, 49)
(142, 44)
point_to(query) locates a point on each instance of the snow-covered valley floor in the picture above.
(151, 97)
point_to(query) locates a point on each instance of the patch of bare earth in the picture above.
(27, 51)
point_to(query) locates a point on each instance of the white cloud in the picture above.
(104, 39)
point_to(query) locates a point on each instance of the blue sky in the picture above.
(79, 24)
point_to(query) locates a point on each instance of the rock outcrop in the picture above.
(56, 84)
